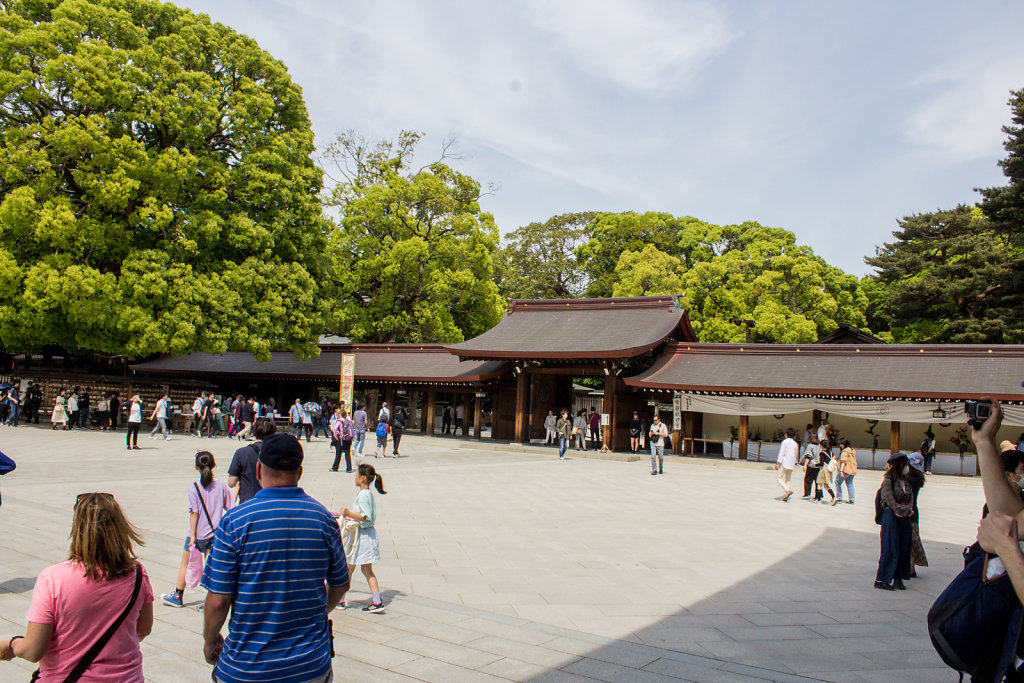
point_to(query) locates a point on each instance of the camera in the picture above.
(977, 412)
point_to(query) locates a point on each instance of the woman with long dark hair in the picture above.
(100, 585)
(208, 501)
(897, 501)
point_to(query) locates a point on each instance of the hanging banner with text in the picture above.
(348, 381)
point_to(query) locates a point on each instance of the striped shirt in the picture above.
(273, 555)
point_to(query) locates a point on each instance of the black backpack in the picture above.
(975, 623)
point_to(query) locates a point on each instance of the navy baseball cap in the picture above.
(281, 451)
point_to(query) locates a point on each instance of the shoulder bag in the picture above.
(86, 661)
(205, 511)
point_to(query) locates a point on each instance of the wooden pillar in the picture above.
(610, 381)
(744, 434)
(414, 413)
(389, 396)
(894, 437)
(522, 426)
(478, 407)
(431, 402)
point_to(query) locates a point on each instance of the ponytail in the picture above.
(205, 464)
(367, 470)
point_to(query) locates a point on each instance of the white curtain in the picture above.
(900, 411)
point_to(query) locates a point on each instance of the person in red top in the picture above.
(76, 601)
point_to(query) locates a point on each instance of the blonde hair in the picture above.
(102, 537)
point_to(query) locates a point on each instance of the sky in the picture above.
(830, 119)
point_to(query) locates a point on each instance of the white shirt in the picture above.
(788, 452)
(161, 408)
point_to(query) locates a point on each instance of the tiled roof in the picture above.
(948, 371)
(581, 329)
(374, 362)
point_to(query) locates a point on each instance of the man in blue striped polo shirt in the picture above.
(277, 563)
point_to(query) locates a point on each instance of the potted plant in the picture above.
(962, 441)
(734, 433)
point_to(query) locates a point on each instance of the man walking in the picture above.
(242, 470)
(295, 417)
(247, 414)
(160, 415)
(659, 431)
(269, 564)
(788, 453)
(13, 400)
(359, 424)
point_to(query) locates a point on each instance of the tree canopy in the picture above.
(747, 272)
(1004, 205)
(948, 277)
(413, 254)
(539, 261)
(611, 234)
(157, 192)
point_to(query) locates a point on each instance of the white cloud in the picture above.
(645, 46)
(962, 120)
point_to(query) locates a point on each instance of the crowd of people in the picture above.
(269, 556)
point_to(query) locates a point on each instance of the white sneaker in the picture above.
(167, 438)
(151, 437)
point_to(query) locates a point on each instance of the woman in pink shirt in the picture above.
(75, 602)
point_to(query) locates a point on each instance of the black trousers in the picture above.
(810, 476)
(342, 448)
(894, 560)
(131, 438)
(396, 438)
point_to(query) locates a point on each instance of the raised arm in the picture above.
(999, 493)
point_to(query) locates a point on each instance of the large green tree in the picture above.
(539, 261)
(157, 192)
(746, 272)
(1004, 205)
(413, 254)
(611, 234)
(948, 277)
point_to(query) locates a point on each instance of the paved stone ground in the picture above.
(509, 565)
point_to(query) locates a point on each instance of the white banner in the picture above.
(899, 411)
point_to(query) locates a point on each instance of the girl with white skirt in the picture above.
(364, 549)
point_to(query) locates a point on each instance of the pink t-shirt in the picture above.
(80, 610)
(218, 500)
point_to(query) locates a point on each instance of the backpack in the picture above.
(382, 429)
(975, 622)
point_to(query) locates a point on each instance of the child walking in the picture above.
(208, 500)
(367, 549)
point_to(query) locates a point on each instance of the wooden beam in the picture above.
(894, 437)
(389, 396)
(744, 435)
(522, 427)
(431, 402)
(478, 406)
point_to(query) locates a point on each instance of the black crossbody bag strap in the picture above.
(98, 646)
(203, 503)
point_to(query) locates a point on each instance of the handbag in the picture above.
(89, 657)
(194, 570)
(350, 539)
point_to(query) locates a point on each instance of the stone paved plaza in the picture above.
(505, 564)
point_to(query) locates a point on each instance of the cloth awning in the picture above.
(901, 411)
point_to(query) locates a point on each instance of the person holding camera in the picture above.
(998, 531)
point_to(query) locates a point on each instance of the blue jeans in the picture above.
(321, 424)
(848, 478)
(13, 419)
(360, 438)
(563, 446)
(657, 453)
(84, 421)
(161, 426)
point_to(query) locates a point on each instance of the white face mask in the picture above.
(1017, 479)
(906, 470)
